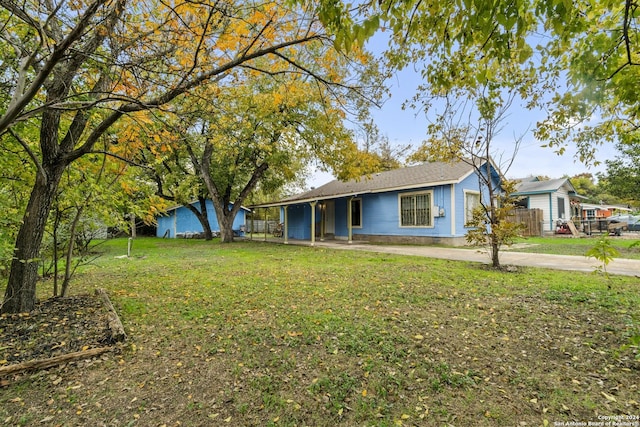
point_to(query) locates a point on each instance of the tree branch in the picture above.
(213, 75)
(59, 52)
(37, 163)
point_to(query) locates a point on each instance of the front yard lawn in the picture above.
(565, 245)
(256, 334)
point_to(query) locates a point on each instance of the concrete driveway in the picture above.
(626, 267)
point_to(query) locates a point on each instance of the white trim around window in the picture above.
(415, 210)
(471, 201)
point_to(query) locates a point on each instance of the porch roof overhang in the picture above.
(306, 200)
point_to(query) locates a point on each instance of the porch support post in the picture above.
(253, 214)
(265, 224)
(286, 225)
(313, 222)
(349, 220)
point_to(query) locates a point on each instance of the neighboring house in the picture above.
(179, 221)
(428, 203)
(596, 212)
(557, 198)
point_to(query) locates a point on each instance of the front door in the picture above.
(330, 217)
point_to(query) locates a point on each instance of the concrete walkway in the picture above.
(619, 266)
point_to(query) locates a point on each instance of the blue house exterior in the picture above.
(428, 203)
(179, 221)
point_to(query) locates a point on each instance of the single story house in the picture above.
(557, 198)
(427, 203)
(179, 221)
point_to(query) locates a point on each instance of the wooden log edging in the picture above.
(115, 325)
(52, 361)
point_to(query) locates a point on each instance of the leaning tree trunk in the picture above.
(203, 217)
(20, 295)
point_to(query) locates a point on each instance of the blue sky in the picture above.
(409, 127)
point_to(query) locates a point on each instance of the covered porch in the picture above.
(315, 219)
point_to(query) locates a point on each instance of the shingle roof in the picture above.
(423, 175)
(538, 187)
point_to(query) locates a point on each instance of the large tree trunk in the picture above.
(202, 216)
(226, 226)
(20, 295)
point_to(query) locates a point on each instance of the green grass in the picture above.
(578, 246)
(263, 334)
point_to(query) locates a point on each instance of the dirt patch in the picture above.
(57, 326)
(463, 358)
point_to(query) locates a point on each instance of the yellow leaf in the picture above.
(609, 397)
(405, 416)
(364, 393)
(227, 420)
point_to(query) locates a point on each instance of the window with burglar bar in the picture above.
(415, 210)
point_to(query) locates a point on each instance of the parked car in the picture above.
(633, 221)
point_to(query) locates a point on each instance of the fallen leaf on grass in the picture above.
(609, 397)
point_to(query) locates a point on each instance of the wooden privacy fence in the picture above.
(531, 220)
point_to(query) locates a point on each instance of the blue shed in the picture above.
(427, 203)
(179, 221)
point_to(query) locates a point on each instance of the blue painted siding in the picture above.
(470, 183)
(299, 221)
(182, 220)
(381, 213)
(380, 216)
